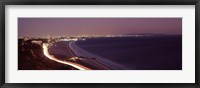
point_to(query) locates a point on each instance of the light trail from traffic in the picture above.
(75, 65)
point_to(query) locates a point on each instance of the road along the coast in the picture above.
(75, 65)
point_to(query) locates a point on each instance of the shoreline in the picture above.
(74, 59)
(80, 52)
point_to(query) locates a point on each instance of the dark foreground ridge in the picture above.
(31, 57)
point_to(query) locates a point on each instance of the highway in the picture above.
(75, 65)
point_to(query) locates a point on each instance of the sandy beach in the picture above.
(72, 51)
(80, 52)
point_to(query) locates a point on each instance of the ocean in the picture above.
(161, 52)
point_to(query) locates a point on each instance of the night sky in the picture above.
(41, 27)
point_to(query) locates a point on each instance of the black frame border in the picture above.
(3, 3)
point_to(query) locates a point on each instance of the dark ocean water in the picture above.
(140, 53)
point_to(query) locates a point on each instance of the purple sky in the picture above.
(96, 26)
